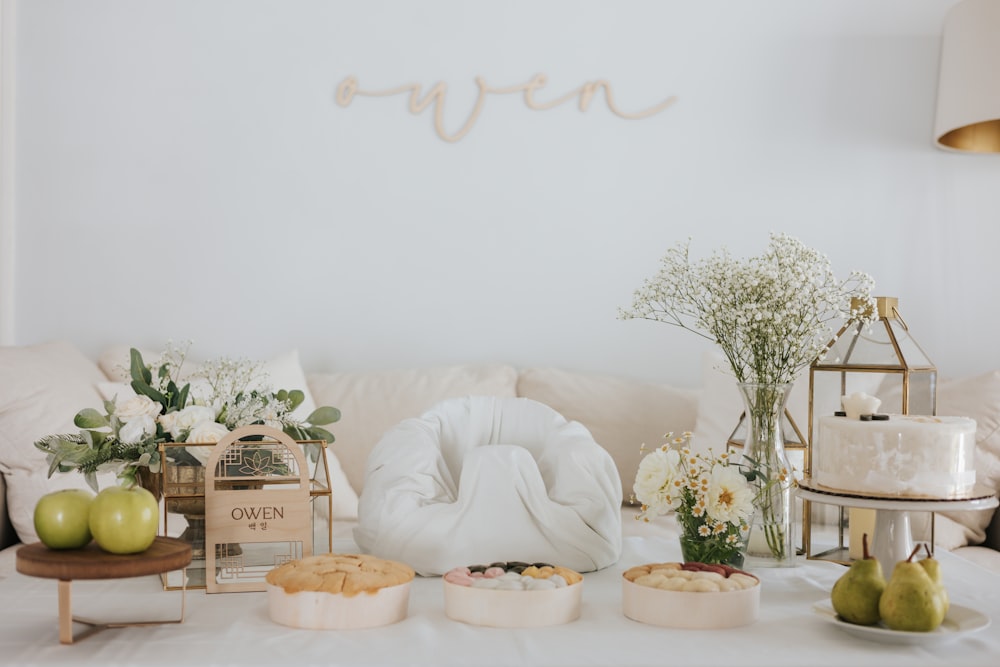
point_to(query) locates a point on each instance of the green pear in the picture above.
(855, 596)
(910, 600)
(933, 568)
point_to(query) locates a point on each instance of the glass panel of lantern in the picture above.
(881, 359)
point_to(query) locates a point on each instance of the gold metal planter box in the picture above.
(181, 486)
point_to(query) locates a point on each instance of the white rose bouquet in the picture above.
(220, 397)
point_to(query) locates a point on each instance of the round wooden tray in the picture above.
(91, 562)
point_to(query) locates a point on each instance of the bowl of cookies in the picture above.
(690, 595)
(339, 592)
(513, 594)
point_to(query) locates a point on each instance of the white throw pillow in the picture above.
(622, 414)
(43, 388)
(282, 372)
(372, 402)
(978, 398)
(481, 476)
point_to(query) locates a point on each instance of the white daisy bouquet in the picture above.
(710, 495)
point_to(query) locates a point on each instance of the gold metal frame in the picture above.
(888, 318)
(321, 490)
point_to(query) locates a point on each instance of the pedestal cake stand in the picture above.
(893, 540)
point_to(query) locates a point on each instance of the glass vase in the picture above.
(772, 538)
(696, 549)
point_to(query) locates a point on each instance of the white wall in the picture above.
(181, 171)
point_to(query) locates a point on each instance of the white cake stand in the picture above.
(893, 540)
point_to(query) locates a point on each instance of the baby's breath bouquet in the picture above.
(771, 315)
(220, 396)
(710, 495)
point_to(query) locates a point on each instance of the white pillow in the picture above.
(621, 414)
(976, 397)
(282, 372)
(43, 388)
(372, 402)
(478, 477)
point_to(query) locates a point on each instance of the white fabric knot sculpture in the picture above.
(483, 479)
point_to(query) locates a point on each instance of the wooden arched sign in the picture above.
(257, 508)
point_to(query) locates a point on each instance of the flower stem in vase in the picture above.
(772, 531)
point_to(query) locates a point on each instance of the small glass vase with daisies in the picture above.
(709, 494)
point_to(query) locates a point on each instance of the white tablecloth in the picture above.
(234, 628)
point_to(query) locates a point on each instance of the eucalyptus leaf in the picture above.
(182, 397)
(137, 368)
(55, 465)
(295, 398)
(91, 478)
(145, 390)
(317, 433)
(295, 432)
(90, 418)
(324, 415)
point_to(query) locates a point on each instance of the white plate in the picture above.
(958, 622)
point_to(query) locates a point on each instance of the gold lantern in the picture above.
(881, 359)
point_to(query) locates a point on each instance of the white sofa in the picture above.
(45, 385)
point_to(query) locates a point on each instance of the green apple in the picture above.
(124, 520)
(62, 518)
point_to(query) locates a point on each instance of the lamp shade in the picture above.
(968, 101)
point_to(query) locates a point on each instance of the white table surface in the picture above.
(234, 628)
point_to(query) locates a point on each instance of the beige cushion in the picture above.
(979, 398)
(43, 388)
(372, 402)
(621, 414)
(981, 556)
(282, 372)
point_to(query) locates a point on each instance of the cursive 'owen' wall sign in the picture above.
(348, 89)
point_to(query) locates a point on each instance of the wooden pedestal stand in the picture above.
(37, 560)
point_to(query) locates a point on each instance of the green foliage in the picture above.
(113, 441)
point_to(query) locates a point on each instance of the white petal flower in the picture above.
(730, 498)
(207, 433)
(654, 481)
(179, 422)
(137, 429)
(137, 406)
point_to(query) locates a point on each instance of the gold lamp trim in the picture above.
(968, 101)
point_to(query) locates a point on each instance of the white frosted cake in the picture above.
(896, 455)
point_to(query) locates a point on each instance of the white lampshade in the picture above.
(968, 102)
